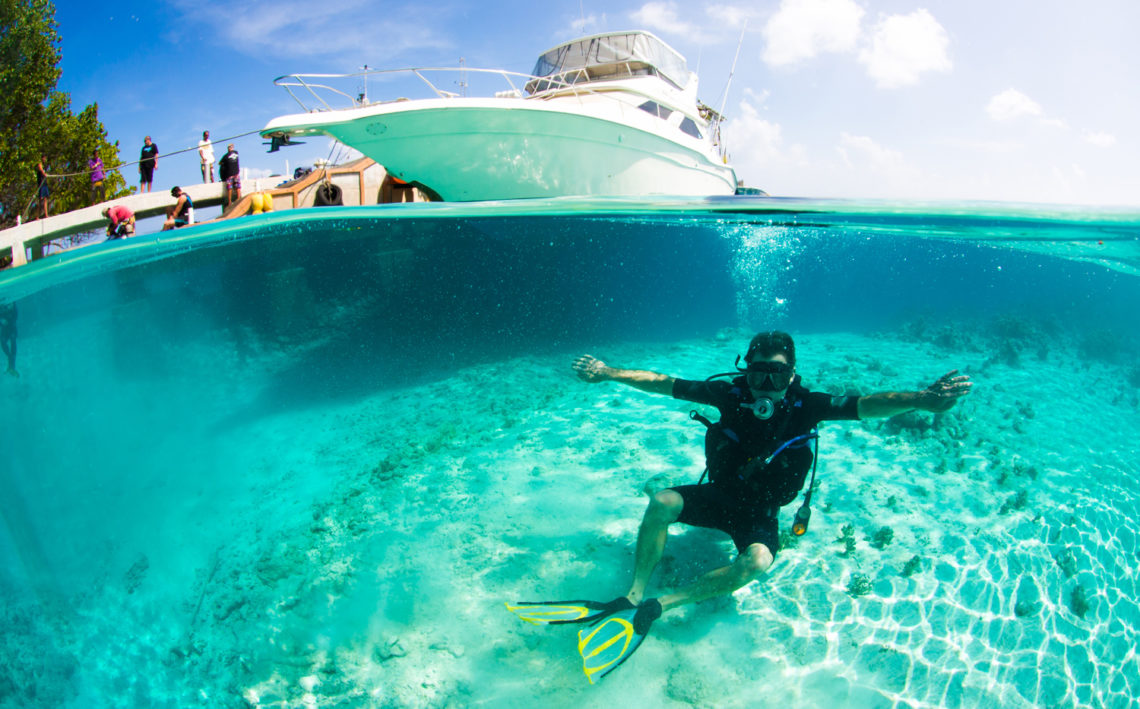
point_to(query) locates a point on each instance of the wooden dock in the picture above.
(359, 182)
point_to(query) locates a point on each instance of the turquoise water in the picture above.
(302, 459)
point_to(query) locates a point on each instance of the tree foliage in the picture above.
(36, 119)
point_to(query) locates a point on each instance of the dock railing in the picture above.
(359, 181)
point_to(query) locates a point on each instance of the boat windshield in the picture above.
(609, 56)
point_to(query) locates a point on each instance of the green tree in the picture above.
(36, 119)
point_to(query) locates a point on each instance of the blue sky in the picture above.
(1013, 100)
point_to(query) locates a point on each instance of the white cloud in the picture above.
(1011, 104)
(730, 16)
(759, 151)
(903, 47)
(801, 29)
(299, 28)
(755, 139)
(755, 98)
(583, 25)
(254, 173)
(1100, 139)
(861, 150)
(983, 146)
(661, 16)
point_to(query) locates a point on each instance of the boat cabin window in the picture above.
(688, 126)
(656, 109)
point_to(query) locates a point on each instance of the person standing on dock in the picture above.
(148, 163)
(206, 153)
(95, 165)
(229, 172)
(42, 191)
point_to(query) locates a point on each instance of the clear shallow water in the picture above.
(313, 453)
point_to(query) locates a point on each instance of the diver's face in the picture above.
(770, 377)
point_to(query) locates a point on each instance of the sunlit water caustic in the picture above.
(304, 459)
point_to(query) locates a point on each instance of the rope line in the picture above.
(136, 162)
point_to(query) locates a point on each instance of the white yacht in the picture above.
(613, 114)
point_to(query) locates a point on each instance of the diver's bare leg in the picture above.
(749, 565)
(663, 510)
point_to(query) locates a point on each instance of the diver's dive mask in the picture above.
(769, 376)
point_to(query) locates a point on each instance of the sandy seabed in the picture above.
(985, 557)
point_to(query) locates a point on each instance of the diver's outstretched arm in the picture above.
(936, 398)
(592, 369)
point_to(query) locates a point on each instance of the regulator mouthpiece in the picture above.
(800, 523)
(762, 408)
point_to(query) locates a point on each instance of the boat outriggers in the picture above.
(612, 114)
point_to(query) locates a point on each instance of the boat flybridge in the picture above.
(611, 115)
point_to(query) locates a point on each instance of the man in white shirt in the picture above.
(206, 153)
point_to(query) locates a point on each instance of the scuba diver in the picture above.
(757, 458)
(8, 336)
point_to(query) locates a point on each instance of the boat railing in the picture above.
(581, 81)
(317, 86)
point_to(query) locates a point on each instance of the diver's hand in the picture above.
(944, 393)
(590, 369)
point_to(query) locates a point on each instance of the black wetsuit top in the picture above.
(184, 213)
(737, 445)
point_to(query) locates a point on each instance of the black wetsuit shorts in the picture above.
(720, 507)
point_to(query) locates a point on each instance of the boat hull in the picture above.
(518, 150)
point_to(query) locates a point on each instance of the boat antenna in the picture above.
(724, 98)
(363, 100)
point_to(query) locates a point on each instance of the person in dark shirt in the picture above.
(229, 172)
(758, 456)
(148, 163)
(179, 215)
(42, 191)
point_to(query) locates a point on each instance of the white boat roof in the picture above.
(635, 46)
